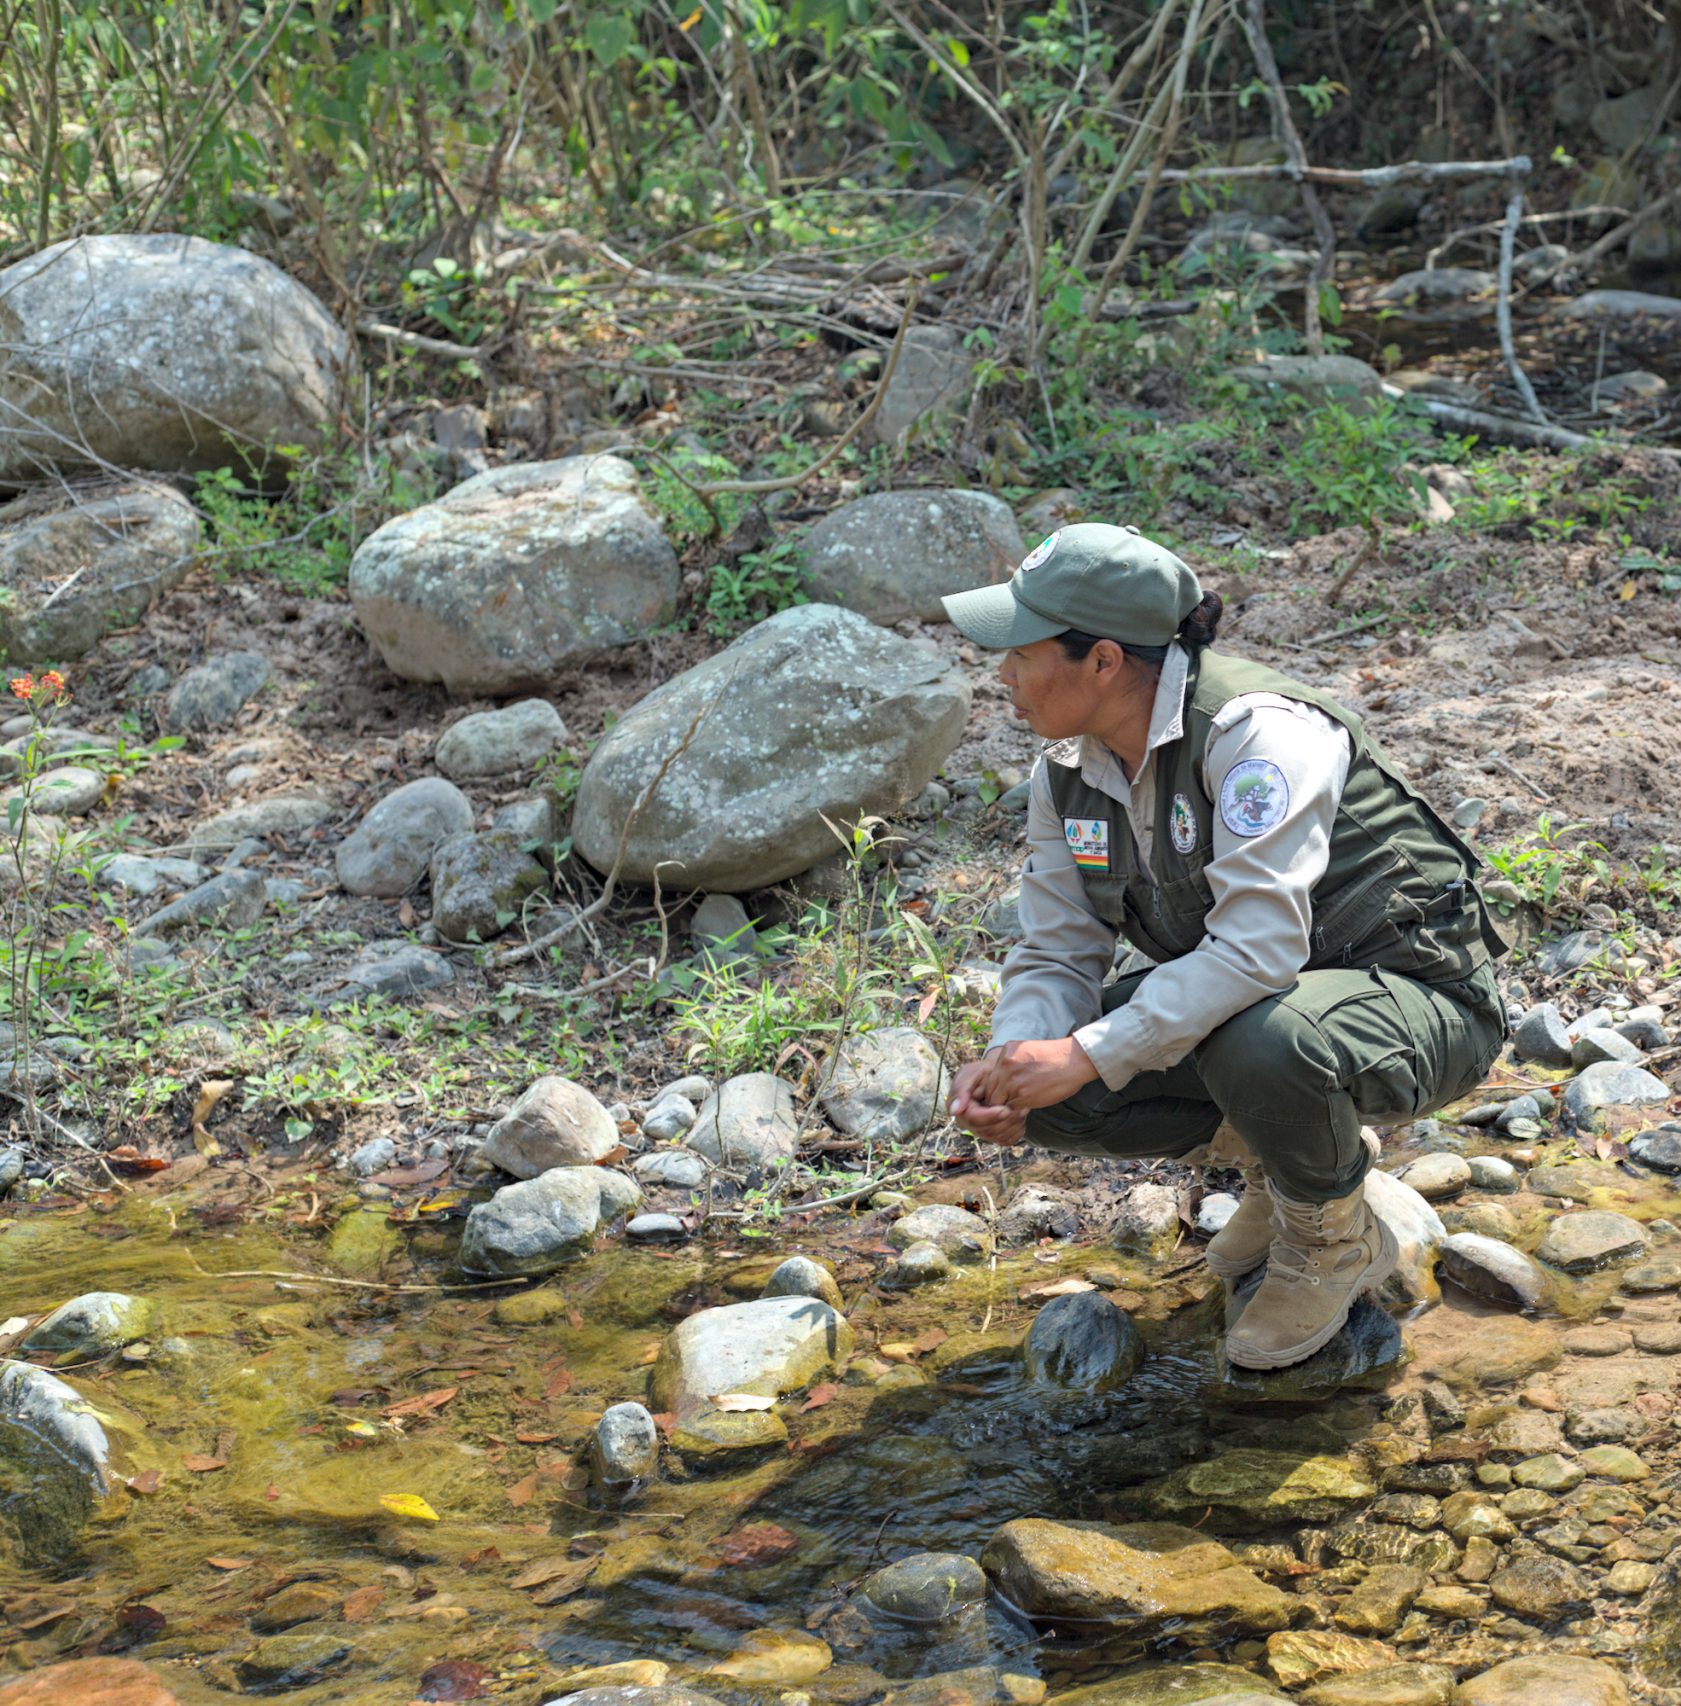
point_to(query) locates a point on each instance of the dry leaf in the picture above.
(424, 1404)
(201, 1464)
(363, 1603)
(523, 1491)
(732, 1401)
(146, 1482)
(930, 1341)
(408, 1504)
(1057, 1288)
(927, 1005)
(564, 1583)
(819, 1396)
(421, 1173)
(759, 1543)
(559, 1382)
(209, 1094)
(535, 1439)
(406, 915)
(649, 1356)
(228, 1563)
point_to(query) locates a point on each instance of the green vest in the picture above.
(1398, 893)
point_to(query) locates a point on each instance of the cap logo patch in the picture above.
(1254, 797)
(1039, 552)
(1182, 824)
(1088, 841)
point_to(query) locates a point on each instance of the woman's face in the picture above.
(1055, 696)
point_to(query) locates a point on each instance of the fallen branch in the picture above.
(1503, 301)
(1505, 429)
(1354, 178)
(417, 341)
(1615, 238)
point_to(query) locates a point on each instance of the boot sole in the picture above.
(1382, 1265)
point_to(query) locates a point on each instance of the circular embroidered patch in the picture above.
(1183, 824)
(1253, 797)
(1039, 552)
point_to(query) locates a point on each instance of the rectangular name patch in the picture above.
(1088, 841)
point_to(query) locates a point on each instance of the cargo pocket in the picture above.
(1453, 1044)
(1388, 1068)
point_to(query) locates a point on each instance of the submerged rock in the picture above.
(1259, 1488)
(88, 1682)
(625, 1446)
(959, 1234)
(1300, 1656)
(766, 1347)
(55, 1462)
(295, 1658)
(1490, 1269)
(1084, 1342)
(928, 1587)
(1368, 1345)
(1146, 1578)
(1545, 1680)
(1589, 1239)
(90, 1325)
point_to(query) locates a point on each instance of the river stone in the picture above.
(1038, 1211)
(68, 790)
(1574, 1178)
(159, 352)
(624, 1446)
(920, 1264)
(537, 1225)
(765, 1347)
(516, 575)
(1545, 1680)
(961, 1235)
(212, 694)
(1540, 1586)
(668, 1695)
(1494, 1271)
(55, 1462)
(631, 1673)
(391, 849)
(291, 1660)
(1659, 1149)
(1146, 1578)
(281, 814)
(1417, 1230)
(395, 970)
(228, 902)
(668, 1119)
(145, 876)
(1601, 1044)
(748, 1122)
(1300, 1656)
(1436, 284)
(1259, 1488)
(1368, 1343)
(1084, 1342)
(1437, 1176)
(1611, 1084)
(90, 1325)
(1549, 1473)
(88, 1682)
(814, 714)
(555, 1123)
(479, 884)
(892, 555)
(1176, 1685)
(72, 576)
(928, 1587)
(885, 1086)
(1147, 1219)
(931, 383)
(724, 1442)
(1380, 1602)
(1494, 1173)
(1613, 305)
(1387, 1685)
(677, 1169)
(513, 738)
(1317, 379)
(785, 1657)
(800, 1276)
(1615, 1462)
(1588, 1239)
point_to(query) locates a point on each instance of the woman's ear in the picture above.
(1110, 660)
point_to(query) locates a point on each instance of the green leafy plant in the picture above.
(756, 585)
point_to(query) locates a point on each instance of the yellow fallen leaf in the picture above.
(210, 1092)
(1058, 1288)
(408, 1504)
(743, 1401)
(362, 1430)
(901, 1350)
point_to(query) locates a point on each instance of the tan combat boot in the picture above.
(1323, 1256)
(1241, 1245)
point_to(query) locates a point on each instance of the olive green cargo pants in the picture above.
(1296, 1075)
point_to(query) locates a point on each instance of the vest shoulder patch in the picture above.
(1254, 797)
(1183, 824)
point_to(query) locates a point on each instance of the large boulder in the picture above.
(894, 554)
(814, 714)
(539, 1224)
(1316, 379)
(480, 882)
(55, 1462)
(391, 849)
(555, 1123)
(515, 575)
(159, 352)
(885, 1085)
(69, 577)
(763, 1348)
(932, 382)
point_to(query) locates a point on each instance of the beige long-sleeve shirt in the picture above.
(1258, 928)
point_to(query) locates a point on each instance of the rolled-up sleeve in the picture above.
(1260, 923)
(1053, 977)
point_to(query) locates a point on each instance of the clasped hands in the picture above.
(992, 1096)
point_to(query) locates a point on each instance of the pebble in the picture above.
(800, 1276)
(1540, 1587)
(1214, 1211)
(625, 1446)
(1596, 1341)
(692, 1087)
(669, 1118)
(1542, 1036)
(680, 1169)
(655, 1229)
(1493, 1173)
(1589, 1239)
(1660, 1149)
(1436, 1177)
(374, 1156)
(1630, 1577)
(1615, 1462)
(921, 1264)
(961, 1235)
(1591, 1047)
(1659, 1338)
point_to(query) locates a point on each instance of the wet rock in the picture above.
(1386, 1685)
(1542, 1036)
(675, 1169)
(783, 1657)
(885, 1086)
(1493, 1270)
(1148, 1221)
(928, 1587)
(624, 1446)
(295, 1659)
(1659, 1149)
(372, 1157)
(931, 383)
(1614, 1462)
(1369, 1343)
(88, 1682)
(228, 902)
(530, 1308)
(1252, 1488)
(1146, 1578)
(892, 555)
(766, 1347)
(1417, 1230)
(655, 1229)
(1083, 1342)
(800, 1276)
(391, 849)
(211, 695)
(1661, 1273)
(668, 1695)
(920, 1264)
(280, 814)
(91, 1325)
(1573, 1178)
(515, 575)
(1601, 1044)
(1035, 1212)
(161, 352)
(1437, 1176)
(1545, 1680)
(1549, 1473)
(395, 970)
(748, 1122)
(362, 1242)
(502, 742)
(1380, 1602)
(814, 713)
(54, 1462)
(1590, 1239)
(1301, 1656)
(962, 1236)
(301, 1602)
(479, 884)
(555, 1123)
(1176, 1685)
(1540, 1587)
(721, 1442)
(1610, 1084)
(535, 1226)
(1493, 1173)
(627, 1674)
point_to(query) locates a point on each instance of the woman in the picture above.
(1322, 954)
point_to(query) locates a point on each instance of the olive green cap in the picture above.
(1102, 580)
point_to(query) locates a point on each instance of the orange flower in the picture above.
(23, 687)
(52, 683)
